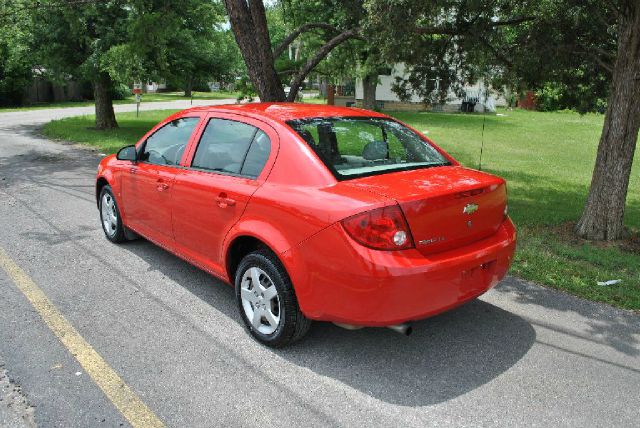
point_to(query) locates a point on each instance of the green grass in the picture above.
(146, 98)
(547, 159)
(315, 100)
(81, 129)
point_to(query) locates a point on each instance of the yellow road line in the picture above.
(118, 392)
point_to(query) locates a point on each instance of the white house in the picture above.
(477, 96)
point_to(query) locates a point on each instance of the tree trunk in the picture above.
(603, 215)
(188, 88)
(369, 84)
(249, 25)
(105, 116)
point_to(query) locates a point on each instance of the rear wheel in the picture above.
(267, 301)
(110, 216)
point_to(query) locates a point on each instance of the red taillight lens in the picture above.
(382, 229)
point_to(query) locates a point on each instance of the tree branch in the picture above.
(465, 27)
(438, 31)
(296, 33)
(513, 21)
(297, 80)
(496, 53)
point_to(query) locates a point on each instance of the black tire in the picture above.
(115, 233)
(293, 325)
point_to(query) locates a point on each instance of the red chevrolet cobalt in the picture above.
(313, 212)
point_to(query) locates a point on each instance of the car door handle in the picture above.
(223, 201)
(133, 170)
(162, 186)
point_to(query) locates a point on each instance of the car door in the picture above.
(225, 169)
(147, 187)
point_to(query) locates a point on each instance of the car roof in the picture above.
(283, 112)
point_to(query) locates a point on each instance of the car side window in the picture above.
(257, 155)
(232, 147)
(167, 144)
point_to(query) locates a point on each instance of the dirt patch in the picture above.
(630, 244)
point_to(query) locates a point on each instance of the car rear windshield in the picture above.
(360, 146)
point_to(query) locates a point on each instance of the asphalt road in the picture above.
(522, 355)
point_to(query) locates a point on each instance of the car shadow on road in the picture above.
(446, 356)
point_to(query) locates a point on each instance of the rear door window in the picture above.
(232, 147)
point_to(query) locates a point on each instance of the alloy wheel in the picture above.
(260, 300)
(109, 214)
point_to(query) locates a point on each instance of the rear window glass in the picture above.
(356, 147)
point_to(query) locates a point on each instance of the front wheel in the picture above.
(110, 216)
(267, 301)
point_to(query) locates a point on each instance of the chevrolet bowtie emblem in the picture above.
(470, 208)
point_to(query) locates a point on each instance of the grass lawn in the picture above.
(146, 98)
(81, 129)
(547, 159)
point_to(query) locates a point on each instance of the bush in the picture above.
(15, 74)
(120, 91)
(550, 97)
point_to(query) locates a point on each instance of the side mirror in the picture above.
(128, 153)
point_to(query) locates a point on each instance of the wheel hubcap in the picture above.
(260, 300)
(109, 214)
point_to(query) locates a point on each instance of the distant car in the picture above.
(313, 212)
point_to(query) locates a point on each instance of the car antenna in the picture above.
(484, 120)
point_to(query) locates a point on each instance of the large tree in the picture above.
(603, 215)
(592, 49)
(113, 41)
(180, 41)
(71, 39)
(248, 20)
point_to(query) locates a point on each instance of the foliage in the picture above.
(553, 44)
(571, 44)
(193, 48)
(443, 43)
(246, 90)
(345, 61)
(15, 65)
(73, 40)
(120, 92)
(549, 97)
(130, 40)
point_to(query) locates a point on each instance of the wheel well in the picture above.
(240, 247)
(99, 185)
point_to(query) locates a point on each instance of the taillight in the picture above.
(381, 229)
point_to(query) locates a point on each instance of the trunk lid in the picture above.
(446, 207)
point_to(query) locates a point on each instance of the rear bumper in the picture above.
(339, 280)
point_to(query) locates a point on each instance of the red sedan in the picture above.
(313, 213)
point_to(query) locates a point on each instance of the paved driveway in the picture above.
(522, 355)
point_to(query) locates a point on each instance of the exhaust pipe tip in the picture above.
(348, 326)
(404, 329)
